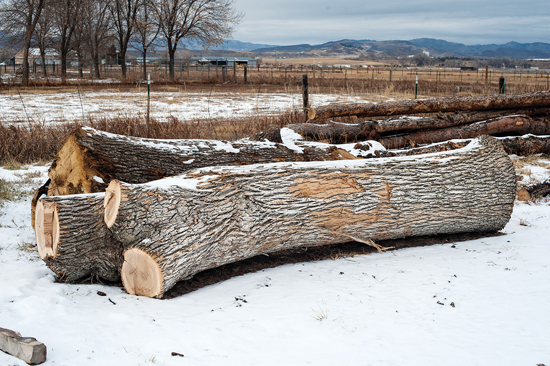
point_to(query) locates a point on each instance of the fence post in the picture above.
(416, 88)
(234, 72)
(486, 74)
(148, 97)
(391, 69)
(305, 93)
(245, 70)
(502, 85)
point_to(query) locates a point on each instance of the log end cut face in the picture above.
(46, 229)
(113, 197)
(141, 274)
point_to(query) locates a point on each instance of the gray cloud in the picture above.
(470, 22)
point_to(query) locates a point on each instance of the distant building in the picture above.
(52, 57)
(225, 61)
(426, 53)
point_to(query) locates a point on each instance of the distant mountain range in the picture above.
(396, 48)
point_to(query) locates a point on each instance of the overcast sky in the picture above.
(284, 22)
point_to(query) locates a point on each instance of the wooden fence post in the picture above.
(305, 93)
(245, 74)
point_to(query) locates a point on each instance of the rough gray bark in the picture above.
(81, 246)
(88, 153)
(235, 213)
(506, 125)
(337, 133)
(435, 105)
(521, 146)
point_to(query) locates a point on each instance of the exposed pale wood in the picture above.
(535, 191)
(518, 125)
(72, 238)
(27, 349)
(218, 215)
(434, 105)
(141, 274)
(42, 191)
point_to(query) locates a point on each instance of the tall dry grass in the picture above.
(29, 143)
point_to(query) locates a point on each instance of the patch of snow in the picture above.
(98, 179)
(386, 309)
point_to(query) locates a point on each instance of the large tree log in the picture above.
(435, 105)
(89, 159)
(73, 240)
(535, 191)
(506, 125)
(339, 133)
(178, 226)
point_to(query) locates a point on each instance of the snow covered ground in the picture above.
(394, 308)
(64, 106)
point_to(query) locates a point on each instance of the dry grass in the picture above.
(24, 144)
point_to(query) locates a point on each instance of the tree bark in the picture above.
(518, 125)
(535, 191)
(89, 159)
(435, 105)
(73, 240)
(176, 227)
(339, 133)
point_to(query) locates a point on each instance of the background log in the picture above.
(435, 105)
(176, 227)
(535, 191)
(500, 126)
(73, 240)
(520, 145)
(339, 133)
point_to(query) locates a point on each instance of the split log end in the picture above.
(524, 195)
(311, 113)
(46, 229)
(113, 196)
(141, 274)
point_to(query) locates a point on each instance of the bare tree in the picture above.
(146, 30)
(124, 14)
(18, 19)
(97, 30)
(66, 16)
(43, 37)
(207, 22)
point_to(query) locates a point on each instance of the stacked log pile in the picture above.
(451, 118)
(154, 212)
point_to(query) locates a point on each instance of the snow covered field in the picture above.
(63, 106)
(479, 302)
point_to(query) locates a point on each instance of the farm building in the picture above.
(225, 61)
(52, 57)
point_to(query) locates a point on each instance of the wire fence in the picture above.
(374, 79)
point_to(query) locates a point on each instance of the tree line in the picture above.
(87, 27)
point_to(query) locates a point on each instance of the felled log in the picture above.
(518, 125)
(520, 145)
(89, 159)
(339, 133)
(73, 240)
(435, 105)
(535, 191)
(176, 227)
